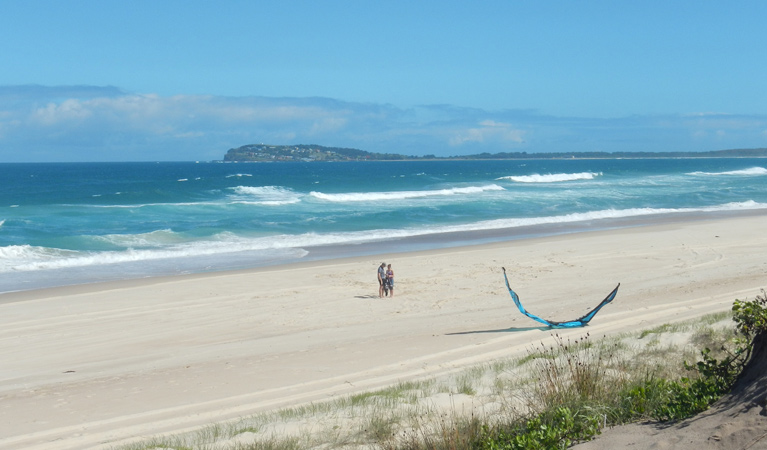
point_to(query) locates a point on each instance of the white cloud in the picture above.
(89, 123)
(66, 112)
(721, 127)
(489, 131)
(328, 125)
(174, 116)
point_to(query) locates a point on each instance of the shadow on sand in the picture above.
(503, 330)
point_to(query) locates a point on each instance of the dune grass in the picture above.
(563, 390)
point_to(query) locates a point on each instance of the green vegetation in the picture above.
(555, 396)
(584, 398)
(735, 153)
(283, 153)
(286, 153)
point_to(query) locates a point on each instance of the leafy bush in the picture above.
(689, 397)
(559, 430)
(751, 316)
(577, 381)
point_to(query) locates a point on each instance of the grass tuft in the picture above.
(561, 392)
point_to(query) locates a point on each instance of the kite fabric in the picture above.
(582, 321)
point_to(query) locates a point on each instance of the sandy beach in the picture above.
(97, 365)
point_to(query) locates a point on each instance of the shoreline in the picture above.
(98, 364)
(410, 244)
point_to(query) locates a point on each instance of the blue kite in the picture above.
(580, 322)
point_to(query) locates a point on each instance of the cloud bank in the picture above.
(91, 123)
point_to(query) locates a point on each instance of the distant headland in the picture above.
(303, 152)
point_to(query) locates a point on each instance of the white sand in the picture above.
(87, 366)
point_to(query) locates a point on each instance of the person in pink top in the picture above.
(390, 280)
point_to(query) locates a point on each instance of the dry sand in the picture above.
(90, 366)
(737, 421)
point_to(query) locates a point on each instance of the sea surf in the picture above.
(72, 223)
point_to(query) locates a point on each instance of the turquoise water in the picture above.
(82, 222)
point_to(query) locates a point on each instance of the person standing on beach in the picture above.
(390, 279)
(381, 279)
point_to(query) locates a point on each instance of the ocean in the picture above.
(74, 223)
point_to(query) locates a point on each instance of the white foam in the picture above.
(268, 202)
(165, 244)
(15, 256)
(552, 177)
(594, 215)
(752, 171)
(25, 258)
(265, 195)
(403, 195)
(141, 205)
(156, 238)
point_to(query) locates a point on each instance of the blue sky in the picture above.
(187, 80)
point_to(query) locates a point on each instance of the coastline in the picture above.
(104, 363)
(41, 281)
(100, 233)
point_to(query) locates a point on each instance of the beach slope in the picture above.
(98, 365)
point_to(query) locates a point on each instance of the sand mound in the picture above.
(738, 421)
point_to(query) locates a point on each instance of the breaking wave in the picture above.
(403, 195)
(164, 244)
(552, 178)
(265, 195)
(752, 171)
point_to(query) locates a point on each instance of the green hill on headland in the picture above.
(265, 152)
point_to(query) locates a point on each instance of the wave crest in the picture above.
(552, 177)
(403, 195)
(17, 258)
(25, 258)
(751, 171)
(265, 195)
(157, 238)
